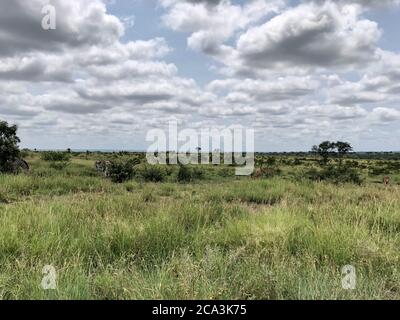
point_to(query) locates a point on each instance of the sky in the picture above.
(297, 72)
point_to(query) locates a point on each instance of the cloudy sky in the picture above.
(298, 72)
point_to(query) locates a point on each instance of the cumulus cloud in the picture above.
(310, 35)
(35, 68)
(364, 3)
(283, 88)
(385, 114)
(83, 79)
(80, 23)
(209, 27)
(281, 67)
(255, 37)
(380, 83)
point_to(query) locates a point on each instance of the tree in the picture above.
(343, 148)
(337, 174)
(9, 150)
(325, 149)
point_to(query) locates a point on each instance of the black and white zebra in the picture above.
(20, 165)
(103, 166)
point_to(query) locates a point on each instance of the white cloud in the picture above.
(283, 70)
(80, 23)
(210, 26)
(385, 114)
(325, 35)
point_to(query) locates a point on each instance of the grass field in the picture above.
(220, 237)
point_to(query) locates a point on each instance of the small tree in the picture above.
(343, 148)
(9, 150)
(337, 174)
(325, 149)
(121, 171)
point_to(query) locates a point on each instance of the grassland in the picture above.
(219, 237)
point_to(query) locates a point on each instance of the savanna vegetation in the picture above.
(200, 232)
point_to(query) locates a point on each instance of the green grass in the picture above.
(218, 238)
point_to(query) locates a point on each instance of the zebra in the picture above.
(103, 166)
(19, 165)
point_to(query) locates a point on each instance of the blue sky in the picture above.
(148, 25)
(297, 72)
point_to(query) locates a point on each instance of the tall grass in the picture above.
(236, 239)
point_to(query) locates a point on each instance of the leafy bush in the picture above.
(184, 174)
(271, 161)
(266, 172)
(376, 171)
(56, 156)
(153, 173)
(297, 162)
(121, 171)
(198, 173)
(336, 174)
(225, 172)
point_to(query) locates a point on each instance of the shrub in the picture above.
(153, 173)
(55, 156)
(376, 171)
(336, 174)
(198, 173)
(225, 172)
(297, 162)
(266, 172)
(271, 161)
(121, 171)
(184, 174)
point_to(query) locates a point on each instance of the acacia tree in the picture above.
(324, 149)
(327, 148)
(9, 150)
(343, 148)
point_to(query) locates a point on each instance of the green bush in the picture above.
(376, 171)
(297, 162)
(266, 172)
(226, 172)
(152, 173)
(198, 174)
(121, 171)
(184, 174)
(56, 156)
(336, 174)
